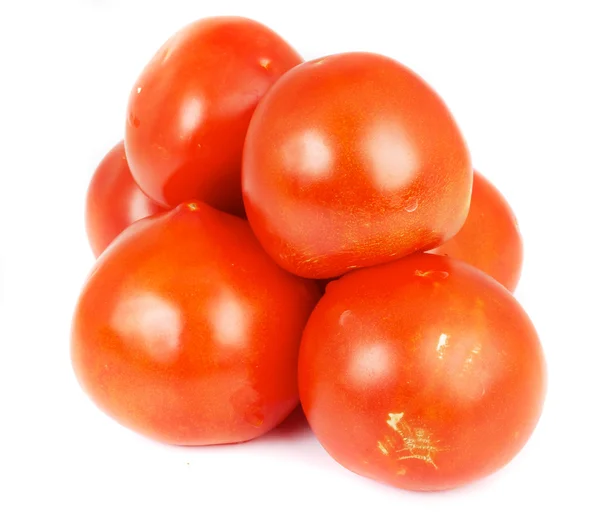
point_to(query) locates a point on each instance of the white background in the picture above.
(522, 81)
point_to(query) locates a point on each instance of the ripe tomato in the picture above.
(423, 373)
(114, 201)
(490, 238)
(350, 161)
(187, 332)
(189, 110)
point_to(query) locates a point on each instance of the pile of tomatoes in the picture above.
(273, 231)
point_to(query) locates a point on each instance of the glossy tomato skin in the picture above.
(189, 110)
(114, 201)
(490, 238)
(188, 333)
(424, 373)
(350, 161)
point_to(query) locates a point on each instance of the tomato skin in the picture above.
(189, 110)
(188, 333)
(350, 161)
(490, 238)
(114, 201)
(424, 373)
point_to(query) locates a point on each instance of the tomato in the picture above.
(114, 201)
(350, 161)
(189, 110)
(490, 238)
(424, 373)
(188, 333)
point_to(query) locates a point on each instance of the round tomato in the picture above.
(188, 333)
(490, 238)
(350, 161)
(189, 110)
(114, 201)
(424, 373)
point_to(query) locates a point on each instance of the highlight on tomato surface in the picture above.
(188, 333)
(350, 161)
(189, 109)
(114, 201)
(424, 373)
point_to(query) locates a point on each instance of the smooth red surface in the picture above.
(188, 333)
(189, 110)
(423, 373)
(490, 238)
(350, 161)
(114, 201)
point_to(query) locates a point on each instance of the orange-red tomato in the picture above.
(423, 373)
(190, 108)
(188, 333)
(490, 238)
(114, 201)
(350, 161)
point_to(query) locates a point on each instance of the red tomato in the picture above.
(423, 373)
(190, 108)
(188, 333)
(490, 238)
(114, 201)
(350, 161)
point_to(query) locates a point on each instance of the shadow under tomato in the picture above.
(294, 426)
(294, 439)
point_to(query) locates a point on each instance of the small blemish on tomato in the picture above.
(265, 63)
(344, 317)
(408, 442)
(254, 417)
(382, 448)
(166, 54)
(411, 205)
(133, 120)
(435, 275)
